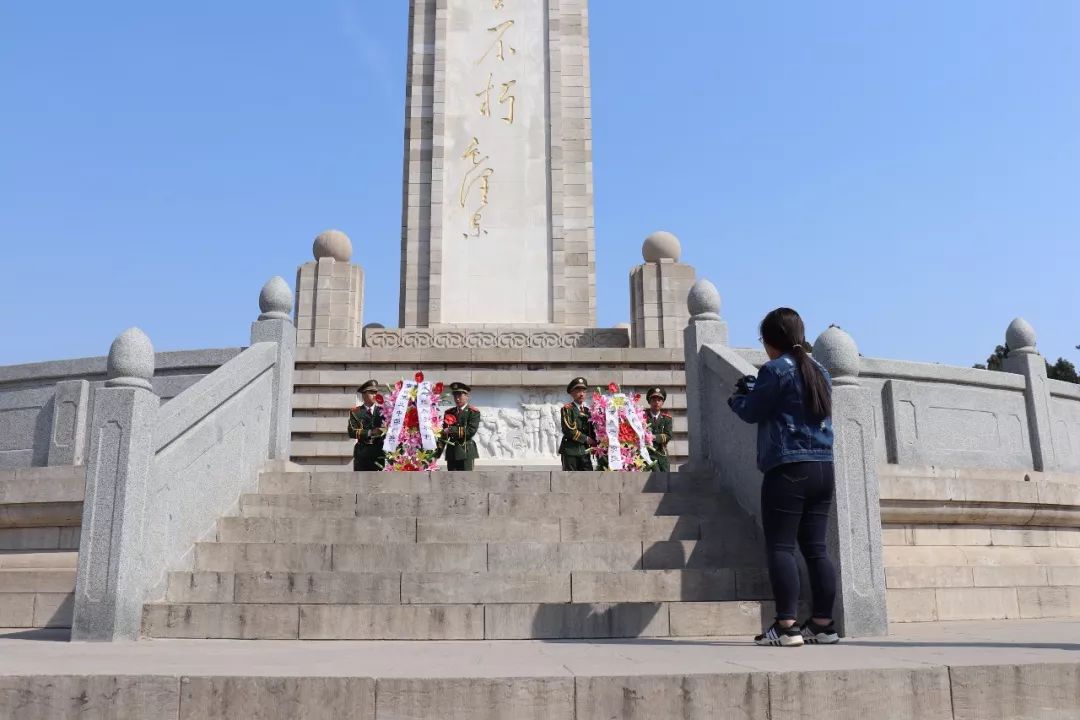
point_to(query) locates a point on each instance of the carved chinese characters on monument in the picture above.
(494, 192)
(475, 190)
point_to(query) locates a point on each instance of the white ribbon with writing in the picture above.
(423, 408)
(397, 417)
(635, 422)
(611, 427)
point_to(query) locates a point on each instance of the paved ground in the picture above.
(920, 645)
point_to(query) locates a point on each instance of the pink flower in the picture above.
(438, 388)
(613, 388)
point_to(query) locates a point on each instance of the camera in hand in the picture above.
(745, 385)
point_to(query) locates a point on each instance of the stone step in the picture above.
(38, 559)
(492, 621)
(522, 505)
(36, 580)
(473, 557)
(353, 531)
(486, 481)
(985, 576)
(36, 609)
(435, 588)
(961, 555)
(317, 530)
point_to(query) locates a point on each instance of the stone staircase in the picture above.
(481, 555)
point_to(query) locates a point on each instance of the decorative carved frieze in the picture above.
(497, 337)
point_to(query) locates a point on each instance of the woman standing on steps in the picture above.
(791, 402)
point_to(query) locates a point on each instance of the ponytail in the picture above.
(783, 329)
(816, 394)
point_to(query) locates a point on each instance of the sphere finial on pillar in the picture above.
(1020, 337)
(131, 360)
(837, 351)
(703, 302)
(332, 244)
(661, 245)
(275, 300)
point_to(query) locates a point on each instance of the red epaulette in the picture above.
(664, 414)
(568, 405)
(474, 408)
(356, 407)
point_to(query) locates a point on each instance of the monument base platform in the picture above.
(955, 671)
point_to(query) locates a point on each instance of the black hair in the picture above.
(783, 330)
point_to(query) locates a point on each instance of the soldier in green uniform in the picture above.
(368, 426)
(460, 424)
(577, 429)
(660, 423)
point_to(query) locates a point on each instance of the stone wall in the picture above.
(930, 414)
(1065, 418)
(44, 406)
(969, 544)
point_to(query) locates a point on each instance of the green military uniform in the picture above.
(459, 427)
(369, 429)
(577, 429)
(661, 426)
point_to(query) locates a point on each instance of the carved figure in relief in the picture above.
(514, 424)
(549, 430)
(532, 428)
(487, 433)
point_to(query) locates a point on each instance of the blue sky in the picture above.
(907, 170)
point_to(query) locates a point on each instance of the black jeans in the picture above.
(795, 500)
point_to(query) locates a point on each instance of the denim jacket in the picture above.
(786, 433)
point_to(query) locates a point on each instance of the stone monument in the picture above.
(498, 203)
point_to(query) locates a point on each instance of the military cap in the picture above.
(656, 391)
(460, 387)
(576, 383)
(369, 385)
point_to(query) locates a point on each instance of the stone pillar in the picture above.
(705, 328)
(108, 597)
(465, 239)
(658, 292)
(274, 325)
(855, 529)
(67, 441)
(1024, 359)
(330, 295)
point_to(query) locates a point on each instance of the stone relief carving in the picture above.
(519, 425)
(510, 337)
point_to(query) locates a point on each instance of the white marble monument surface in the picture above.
(498, 224)
(495, 181)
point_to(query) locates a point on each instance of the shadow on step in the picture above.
(39, 634)
(716, 549)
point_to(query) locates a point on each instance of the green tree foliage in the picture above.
(994, 362)
(1061, 370)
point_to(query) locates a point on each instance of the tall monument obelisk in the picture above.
(497, 224)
